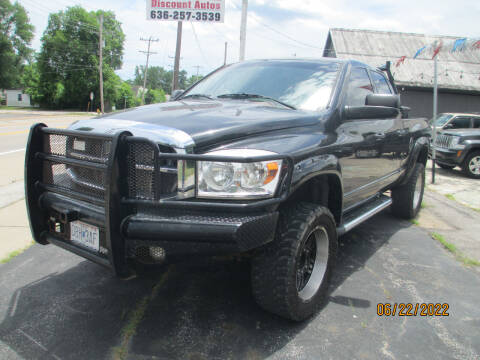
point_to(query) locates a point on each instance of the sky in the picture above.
(275, 28)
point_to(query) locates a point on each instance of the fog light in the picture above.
(157, 253)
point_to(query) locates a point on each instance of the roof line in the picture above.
(395, 32)
(397, 56)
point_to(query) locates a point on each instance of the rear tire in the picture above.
(407, 198)
(290, 276)
(471, 165)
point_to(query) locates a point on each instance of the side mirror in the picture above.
(176, 94)
(383, 100)
(448, 126)
(370, 112)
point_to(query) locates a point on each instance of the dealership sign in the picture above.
(199, 11)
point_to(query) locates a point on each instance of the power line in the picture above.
(198, 44)
(281, 33)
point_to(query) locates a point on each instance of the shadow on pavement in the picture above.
(202, 310)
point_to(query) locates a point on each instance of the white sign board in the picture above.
(211, 11)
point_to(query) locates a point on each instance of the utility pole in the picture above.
(243, 29)
(100, 66)
(225, 57)
(198, 68)
(176, 68)
(435, 107)
(148, 52)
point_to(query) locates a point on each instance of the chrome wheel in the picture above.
(312, 263)
(474, 165)
(418, 191)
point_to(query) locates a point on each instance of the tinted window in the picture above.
(358, 88)
(302, 84)
(460, 123)
(380, 83)
(476, 123)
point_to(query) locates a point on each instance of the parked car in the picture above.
(460, 147)
(271, 158)
(446, 121)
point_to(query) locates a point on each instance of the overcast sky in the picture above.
(276, 28)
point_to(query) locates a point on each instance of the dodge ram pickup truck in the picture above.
(272, 159)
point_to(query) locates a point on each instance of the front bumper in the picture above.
(130, 228)
(449, 157)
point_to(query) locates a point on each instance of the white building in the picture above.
(17, 98)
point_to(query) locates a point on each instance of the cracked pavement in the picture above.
(55, 305)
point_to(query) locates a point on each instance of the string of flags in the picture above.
(438, 46)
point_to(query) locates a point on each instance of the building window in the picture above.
(20, 97)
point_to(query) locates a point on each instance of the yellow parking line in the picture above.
(18, 132)
(14, 132)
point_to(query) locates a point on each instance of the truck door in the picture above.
(370, 163)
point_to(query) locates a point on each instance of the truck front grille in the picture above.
(443, 141)
(88, 180)
(150, 178)
(76, 163)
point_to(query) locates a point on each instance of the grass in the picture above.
(450, 196)
(3, 107)
(423, 205)
(414, 222)
(453, 249)
(15, 253)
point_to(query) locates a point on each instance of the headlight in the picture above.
(238, 180)
(454, 143)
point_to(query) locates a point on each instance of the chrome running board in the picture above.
(364, 212)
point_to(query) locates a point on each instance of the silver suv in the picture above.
(446, 121)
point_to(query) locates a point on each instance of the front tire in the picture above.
(471, 165)
(290, 276)
(407, 198)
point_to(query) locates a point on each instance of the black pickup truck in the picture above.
(273, 159)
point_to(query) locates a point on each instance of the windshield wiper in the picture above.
(254, 96)
(196, 96)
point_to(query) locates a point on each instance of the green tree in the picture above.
(69, 56)
(154, 96)
(30, 82)
(159, 78)
(126, 98)
(193, 80)
(16, 33)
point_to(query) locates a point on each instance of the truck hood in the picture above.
(462, 132)
(187, 123)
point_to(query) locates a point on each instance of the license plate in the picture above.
(85, 235)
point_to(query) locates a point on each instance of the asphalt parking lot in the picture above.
(55, 305)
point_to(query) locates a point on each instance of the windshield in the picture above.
(301, 84)
(442, 119)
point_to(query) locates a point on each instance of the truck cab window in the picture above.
(358, 88)
(380, 83)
